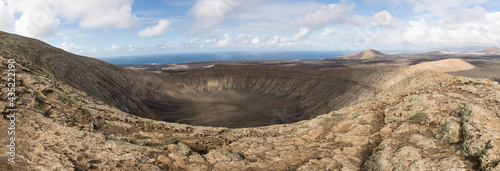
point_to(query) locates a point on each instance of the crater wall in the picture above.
(232, 96)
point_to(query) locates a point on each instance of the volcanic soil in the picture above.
(79, 113)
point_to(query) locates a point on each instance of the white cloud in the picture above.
(263, 24)
(114, 48)
(490, 31)
(224, 42)
(255, 40)
(478, 28)
(120, 49)
(417, 31)
(382, 18)
(221, 41)
(440, 8)
(100, 14)
(6, 16)
(273, 41)
(155, 31)
(255, 17)
(385, 19)
(324, 16)
(457, 26)
(71, 47)
(278, 41)
(41, 18)
(244, 41)
(272, 17)
(208, 13)
(326, 33)
(131, 48)
(356, 20)
(36, 25)
(38, 19)
(459, 16)
(302, 34)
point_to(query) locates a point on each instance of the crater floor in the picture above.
(259, 95)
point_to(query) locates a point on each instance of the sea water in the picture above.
(222, 56)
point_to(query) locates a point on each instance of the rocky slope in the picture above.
(109, 83)
(247, 96)
(416, 120)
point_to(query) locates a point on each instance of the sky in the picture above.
(103, 28)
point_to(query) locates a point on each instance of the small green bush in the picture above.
(448, 133)
(418, 118)
(464, 111)
(64, 98)
(170, 141)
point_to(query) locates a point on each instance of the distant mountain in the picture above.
(488, 51)
(367, 54)
(459, 48)
(492, 50)
(435, 52)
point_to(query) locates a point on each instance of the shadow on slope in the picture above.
(232, 96)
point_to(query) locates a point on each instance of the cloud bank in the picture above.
(41, 18)
(257, 24)
(208, 13)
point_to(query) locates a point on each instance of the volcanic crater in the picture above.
(250, 96)
(77, 113)
(233, 96)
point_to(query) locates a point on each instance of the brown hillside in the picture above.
(367, 54)
(103, 81)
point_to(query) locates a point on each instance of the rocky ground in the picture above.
(427, 121)
(411, 119)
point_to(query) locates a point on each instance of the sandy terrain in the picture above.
(175, 67)
(445, 65)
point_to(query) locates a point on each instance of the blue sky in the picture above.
(126, 27)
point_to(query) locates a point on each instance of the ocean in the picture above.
(222, 56)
